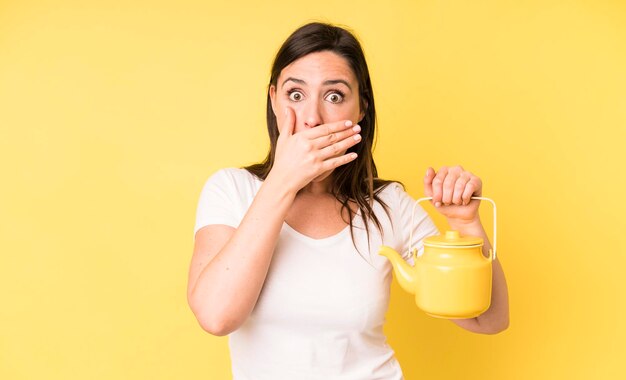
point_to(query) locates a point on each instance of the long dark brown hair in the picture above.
(358, 180)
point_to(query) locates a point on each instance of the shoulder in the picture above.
(232, 175)
(235, 183)
(230, 187)
(224, 198)
(388, 199)
(390, 192)
(396, 197)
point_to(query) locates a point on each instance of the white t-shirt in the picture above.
(321, 311)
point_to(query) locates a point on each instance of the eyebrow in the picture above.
(326, 82)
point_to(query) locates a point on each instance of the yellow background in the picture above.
(114, 113)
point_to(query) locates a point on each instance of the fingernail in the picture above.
(356, 128)
(357, 137)
(437, 204)
(348, 123)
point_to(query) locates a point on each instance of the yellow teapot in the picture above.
(452, 277)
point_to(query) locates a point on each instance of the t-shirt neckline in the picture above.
(313, 241)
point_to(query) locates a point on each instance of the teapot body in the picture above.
(452, 278)
(453, 282)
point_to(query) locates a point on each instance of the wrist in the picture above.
(465, 224)
(280, 185)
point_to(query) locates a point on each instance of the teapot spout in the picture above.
(405, 274)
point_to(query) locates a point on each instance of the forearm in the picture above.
(496, 318)
(228, 287)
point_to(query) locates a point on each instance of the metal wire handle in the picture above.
(430, 198)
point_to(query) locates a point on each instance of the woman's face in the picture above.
(321, 88)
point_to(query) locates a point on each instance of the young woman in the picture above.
(285, 258)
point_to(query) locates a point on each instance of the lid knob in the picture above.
(452, 235)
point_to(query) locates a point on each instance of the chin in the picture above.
(322, 176)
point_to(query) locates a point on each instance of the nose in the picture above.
(312, 115)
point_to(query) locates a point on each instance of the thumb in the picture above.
(289, 122)
(428, 182)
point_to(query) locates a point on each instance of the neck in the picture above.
(319, 187)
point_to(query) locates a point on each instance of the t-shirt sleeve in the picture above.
(218, 203)
(423, 225)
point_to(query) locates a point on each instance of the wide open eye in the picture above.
(335, 97)
(295, 95)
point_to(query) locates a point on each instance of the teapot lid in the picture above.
(453, 238)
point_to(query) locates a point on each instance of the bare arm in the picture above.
(496, 318)
(229, 265)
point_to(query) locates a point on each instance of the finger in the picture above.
(335, 162)
(473, 188)
(438, 185)
(333, 137)
(339, 146)
(448, 187)
(428, 181)
(289, 122)
(459, 188)
(327, 129)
